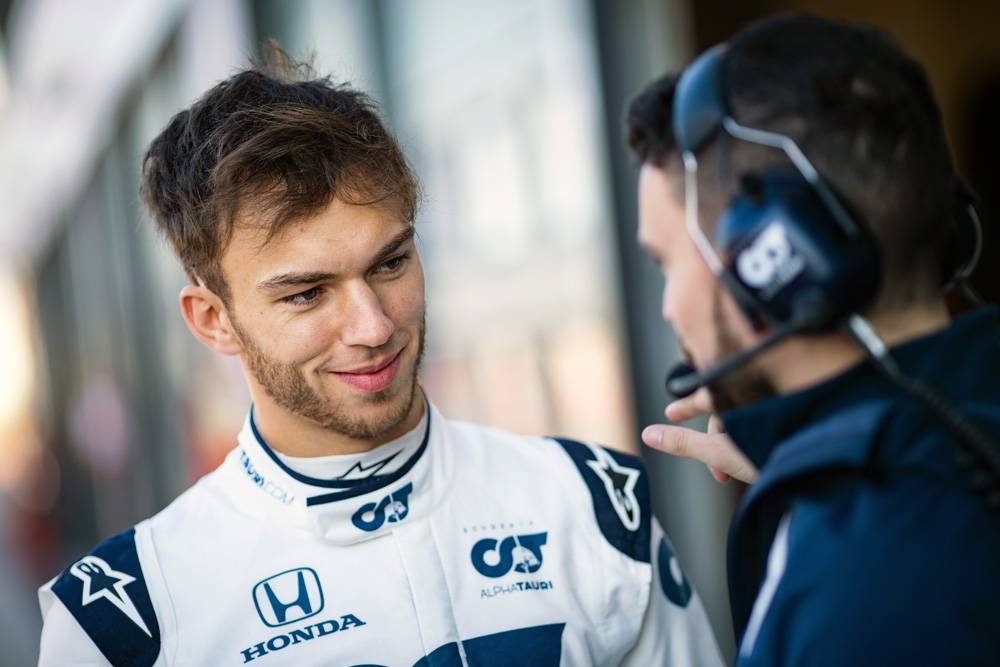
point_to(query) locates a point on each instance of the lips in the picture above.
(373, 378)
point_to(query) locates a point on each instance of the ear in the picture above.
(208, 319)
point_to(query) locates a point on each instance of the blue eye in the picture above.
(303, 298)
(394, 264)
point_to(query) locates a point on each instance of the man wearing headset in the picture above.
(798, 191)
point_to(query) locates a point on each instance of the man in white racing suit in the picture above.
(353, 524)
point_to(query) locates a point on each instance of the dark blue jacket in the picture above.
(883, 554)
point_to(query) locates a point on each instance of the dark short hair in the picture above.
(649, 122)
(268, 146)
(861, 110)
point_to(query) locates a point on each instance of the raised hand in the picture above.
(715, 449)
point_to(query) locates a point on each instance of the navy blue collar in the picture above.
(347, 488)
(954, 360)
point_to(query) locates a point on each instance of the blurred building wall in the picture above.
(124, 411)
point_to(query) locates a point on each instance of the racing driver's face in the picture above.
(329, 315)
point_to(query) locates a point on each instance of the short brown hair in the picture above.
(272, 143)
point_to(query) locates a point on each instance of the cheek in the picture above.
(689, 298)
(295, 340)
(686, 297)
(736, 322)
(310, 337)
(403, 300)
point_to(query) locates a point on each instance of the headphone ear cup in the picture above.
(735, 230)
(788, 260)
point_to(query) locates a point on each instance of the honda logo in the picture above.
(288, 597)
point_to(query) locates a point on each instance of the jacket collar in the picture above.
(782, 434)
(342, 510)
(840, 426)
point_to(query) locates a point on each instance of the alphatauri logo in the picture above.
(393, 508)
(522, 553)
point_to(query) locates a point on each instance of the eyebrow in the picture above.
(292, 279)
(394, 244)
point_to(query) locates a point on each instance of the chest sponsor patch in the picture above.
(292, 602)
(513, 554)
(288, 597)
(295, 636)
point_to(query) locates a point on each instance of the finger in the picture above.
(697, 404)
(715, 425)
(686, 442)
(715, 450)
(720, 476)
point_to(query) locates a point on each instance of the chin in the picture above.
(739, 388)
(369, 415)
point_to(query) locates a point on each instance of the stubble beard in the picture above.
(286, 385)
(741, 386)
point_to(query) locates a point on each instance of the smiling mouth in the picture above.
(376, 378)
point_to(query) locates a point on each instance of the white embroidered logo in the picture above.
(100, 580)
(619, 482)
(770, 262)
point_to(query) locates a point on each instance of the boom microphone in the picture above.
(683, 380)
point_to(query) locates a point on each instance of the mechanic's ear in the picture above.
(207, 318)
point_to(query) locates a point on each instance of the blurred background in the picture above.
(543, 314)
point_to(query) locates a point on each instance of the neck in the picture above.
(294, 435)
(803, 361)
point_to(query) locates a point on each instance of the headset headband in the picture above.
(700, 111)
(700, 101)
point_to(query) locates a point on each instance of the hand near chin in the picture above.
(715, 449)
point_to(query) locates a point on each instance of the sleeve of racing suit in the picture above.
(99, 610)
(64, 643)
(675, 630)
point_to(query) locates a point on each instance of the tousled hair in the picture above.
(266, 147)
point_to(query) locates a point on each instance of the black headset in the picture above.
(788, 247)
(796, 257)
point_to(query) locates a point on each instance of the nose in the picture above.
(365, 320)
